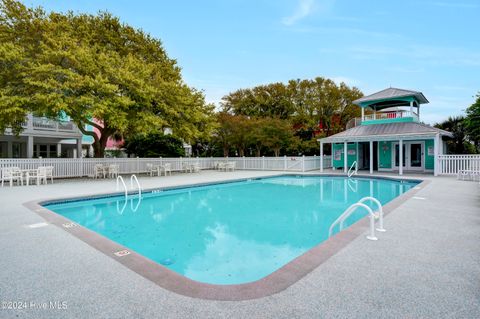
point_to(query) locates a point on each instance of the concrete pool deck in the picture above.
(427, 264)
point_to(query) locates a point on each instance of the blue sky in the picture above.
(431, 46)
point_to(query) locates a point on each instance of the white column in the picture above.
(9, 149)
(30, 146)
(79, 148)
(436, 145)
(400, 154)
(371, 156)
(59, 149)
(345, 157)
(411, 108)
(321, 157)
(363, 114)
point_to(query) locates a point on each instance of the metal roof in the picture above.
(386, 131)
(391, 94)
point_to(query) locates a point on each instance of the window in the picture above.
(53, 151)
(17, 150)
(3, 149)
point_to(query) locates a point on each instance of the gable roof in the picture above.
(391, 93)
(386, 131)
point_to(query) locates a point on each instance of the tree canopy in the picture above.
(305, 103)
(287, 117)
(154, 145)
(96, 70)
(472, 122)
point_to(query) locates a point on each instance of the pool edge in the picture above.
(274, 283)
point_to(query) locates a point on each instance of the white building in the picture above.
(42, 137)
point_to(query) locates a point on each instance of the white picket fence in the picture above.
(81, 167)
(452, 164)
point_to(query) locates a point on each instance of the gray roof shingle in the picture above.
(392, 93)
(388, 130)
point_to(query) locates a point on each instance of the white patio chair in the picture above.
(98, 171)
(39, 175)
(230, 166)
(195, 168)
(221, 166)
(167, 168)
(113, 170)
(12, 174)
(50, 173)
(151, 169)
(186, 167)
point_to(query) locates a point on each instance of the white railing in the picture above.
(390, 115)
(120, 179)
(340, 220)
(81, 167)
(452, 164)
(378, 214)
(42, 123)
(134, 178)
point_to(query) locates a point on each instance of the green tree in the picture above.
(96, 70)
(459, 144)
(276, 134)
(154, 145)
(271, 100)
(472, 122)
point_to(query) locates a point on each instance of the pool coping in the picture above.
(274, 283)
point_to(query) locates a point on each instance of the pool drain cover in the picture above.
(69, 225)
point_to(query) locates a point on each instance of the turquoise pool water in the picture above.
(229, 233)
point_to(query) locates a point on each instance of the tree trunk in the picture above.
(100, 144)
(241, 152)
(277, 152)
(258, 151)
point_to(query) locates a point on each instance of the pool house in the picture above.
(388, 137)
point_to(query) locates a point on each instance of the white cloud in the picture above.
(304, 9)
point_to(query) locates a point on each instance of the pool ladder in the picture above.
(133, 179)
(372, 215)
(351, 170)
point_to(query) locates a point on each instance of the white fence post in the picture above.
(284, 162)
(263, 163)
(303, 163)
(244, 162)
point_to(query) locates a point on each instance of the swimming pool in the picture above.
(230, 233)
